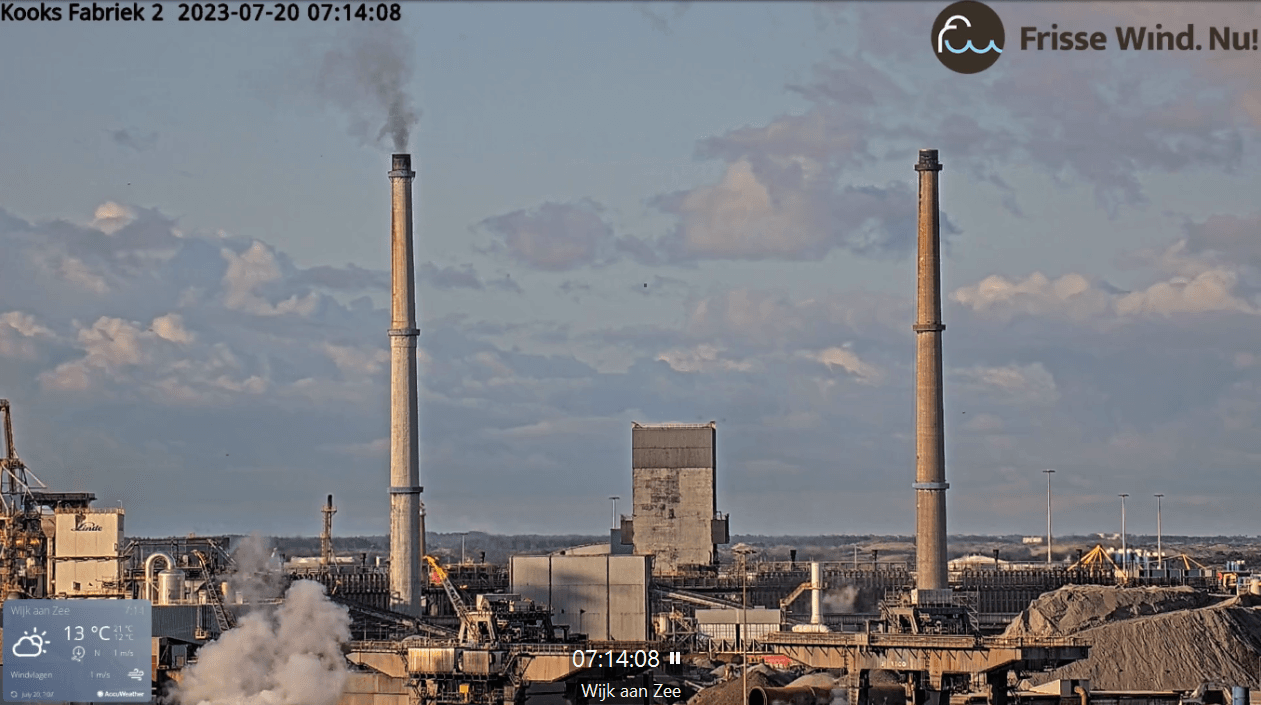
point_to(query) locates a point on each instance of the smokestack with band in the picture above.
(930, 448)
(407, 512)
(816, 592)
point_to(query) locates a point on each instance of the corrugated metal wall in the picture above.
(603, 596)
(672, 447)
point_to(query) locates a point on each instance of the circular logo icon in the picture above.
(968, 37)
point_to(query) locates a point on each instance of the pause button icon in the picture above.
(676, 658)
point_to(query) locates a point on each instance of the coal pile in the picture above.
(729, 692)
(1076, 608)
(1171, 639)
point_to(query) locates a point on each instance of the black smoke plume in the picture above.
(368, 80)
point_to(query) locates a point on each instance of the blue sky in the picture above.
(194, 234)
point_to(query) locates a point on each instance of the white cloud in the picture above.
(1207, 291)
(736, 217)
(19, 334)
(703, 358)
(849, 361)
(171, 327)
(250, 271)
(1072, 296)
(155, 361)
(1031, 383)
(110, 217)
(1076, 298)
(76, 272)
(786, 206)
(357, 360)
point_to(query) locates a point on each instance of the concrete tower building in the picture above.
(675, 506)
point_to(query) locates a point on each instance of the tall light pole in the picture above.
(744, 552)
(614, 499)
(462, 535)
(1125, 556)
(1160, 554)
(1048, 515)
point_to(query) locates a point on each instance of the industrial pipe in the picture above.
(797, 695)
(150, 589)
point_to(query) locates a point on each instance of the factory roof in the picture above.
(711, 424)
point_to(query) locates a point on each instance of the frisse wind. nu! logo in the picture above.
(968, 37)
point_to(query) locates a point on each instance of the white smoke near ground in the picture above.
(841, 600)
(368, 80)
(281, 656)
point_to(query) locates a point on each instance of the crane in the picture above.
(23, 544)
(457, 602)
(475, 625)
(16, 481)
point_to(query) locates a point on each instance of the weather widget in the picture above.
(77, 650)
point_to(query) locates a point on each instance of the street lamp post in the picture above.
(744, 553)
(462, 535)
(1125, 556)
(1048, 515)
(744, 635)
(1160, 554)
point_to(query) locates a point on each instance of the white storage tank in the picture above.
(170, 587)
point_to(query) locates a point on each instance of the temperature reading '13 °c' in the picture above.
(104, 632)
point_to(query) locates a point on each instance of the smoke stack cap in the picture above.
(928, 161)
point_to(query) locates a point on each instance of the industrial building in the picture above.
(675, 497)
(605, 598)
(85, 557)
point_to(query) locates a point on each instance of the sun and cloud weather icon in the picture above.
(31, 644)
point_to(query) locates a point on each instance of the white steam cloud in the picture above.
(275, 657)
(840, 601)
(258, 576)
(368, 82)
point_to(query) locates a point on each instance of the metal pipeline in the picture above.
(150, 589)
(798, 695)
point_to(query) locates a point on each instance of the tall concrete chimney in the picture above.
(930, 447)
(407, 512)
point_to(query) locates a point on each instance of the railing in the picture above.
(379, 647)
(1033, 642)
(948, 641)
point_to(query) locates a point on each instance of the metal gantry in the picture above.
(23, 545)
